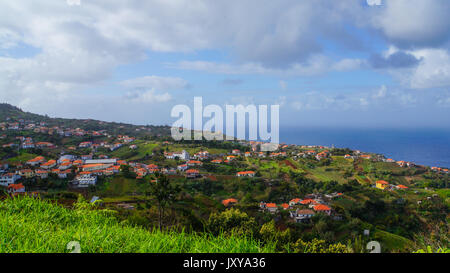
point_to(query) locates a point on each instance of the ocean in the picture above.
(429, 147)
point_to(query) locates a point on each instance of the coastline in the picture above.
(428, 147)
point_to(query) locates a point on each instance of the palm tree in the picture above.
(164, 193)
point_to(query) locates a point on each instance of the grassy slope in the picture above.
(34, 226)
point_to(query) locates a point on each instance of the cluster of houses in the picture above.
(41, 127)
(190, 165)
(301, 210)
(28, 143)
(439, 170)
(383, 185)
(319, 155)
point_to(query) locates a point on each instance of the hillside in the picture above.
(13, 112)
(33, 226)
(10, 113)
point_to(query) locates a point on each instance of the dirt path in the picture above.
(289, 163)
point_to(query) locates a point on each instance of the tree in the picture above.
(231, 221)
(319, 246)
(164, 193)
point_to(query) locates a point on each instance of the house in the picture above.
(401, 163)
(27, 173)
(78, 162)
(44, 145)
(49, 164)
(141, 172)
(10, 145)
(65, 166)
(183, 155)
(410, 164)
(192, 173)
(133, 147)
(381, 184)
(236, 152)
(16, 188)
(43, 174)
(347, 156)
(247, 154)
(246, 173)
(229, 202)
(390, 160)
(285, 206)
(302, 215)
(192, 163)
(84, 180)
(86, 157)
(216, 161)
(95, 167)
(308, 202)
(183, 167)
(63, 174)
(101, 161)
(86, 144)
(294, 202)
(366, 157)
(36, 161)
(321, 155)
(202, 155)
(170, 171)
(27, 145)
(152, 168)
(8, 179)
(231, 157)
(401, 187)
(322, 208)
(272, 207)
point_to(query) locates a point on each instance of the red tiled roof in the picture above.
(229, 201)
(16, 186)
(322, 207)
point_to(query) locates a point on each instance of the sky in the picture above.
(350, 63)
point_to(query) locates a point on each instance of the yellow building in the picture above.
(381, 184)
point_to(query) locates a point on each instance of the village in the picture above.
(83, 171)
(295, 185)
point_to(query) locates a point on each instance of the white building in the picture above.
(183, 155)
(66, 157)
(8, 179)
(85, 180)
(101, 161)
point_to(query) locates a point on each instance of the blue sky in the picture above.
(326, 63)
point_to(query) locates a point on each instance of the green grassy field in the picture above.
(22, 157)
(32, 226)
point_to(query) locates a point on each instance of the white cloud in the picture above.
(414, 23)
(81, 46)
(73, 2)
(315, 65)
(433, 71)
(156, 82)
(381, 98)
(149, 96)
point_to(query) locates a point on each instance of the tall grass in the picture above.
(29, 225)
